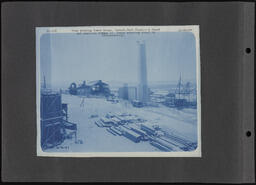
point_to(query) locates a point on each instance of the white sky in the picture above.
(76, 58)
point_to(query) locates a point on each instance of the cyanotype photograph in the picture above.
(118, 91)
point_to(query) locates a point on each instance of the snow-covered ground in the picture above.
(182, 123)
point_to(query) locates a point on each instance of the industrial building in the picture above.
(92, 88)
(127, 93)
(132, 93)
(123, 92)
(181, 97)
(83, 89)
(170, 100)
(99, 88)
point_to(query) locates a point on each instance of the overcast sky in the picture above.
(76, 57)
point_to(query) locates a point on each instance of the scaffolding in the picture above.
(54, 120)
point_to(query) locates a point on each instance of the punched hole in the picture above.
(248, 133)
(248, 50)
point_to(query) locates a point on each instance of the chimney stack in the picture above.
(143, 95)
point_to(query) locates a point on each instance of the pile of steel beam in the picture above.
(121, 125)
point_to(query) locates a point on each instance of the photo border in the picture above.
(119, 29)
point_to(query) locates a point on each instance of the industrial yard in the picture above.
(92, 137)
(140, 109)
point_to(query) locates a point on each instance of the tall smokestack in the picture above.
(46, 61)
(143, 83)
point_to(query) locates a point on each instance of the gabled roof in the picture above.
(96, 82)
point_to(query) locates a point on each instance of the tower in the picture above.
(143, 95)
(46, 61)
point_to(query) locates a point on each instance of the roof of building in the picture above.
(96, 82)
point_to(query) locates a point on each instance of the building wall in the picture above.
(84, 91)
(123, 93)
(132, 93)
(128, 93)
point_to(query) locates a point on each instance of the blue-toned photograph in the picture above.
(118, 92)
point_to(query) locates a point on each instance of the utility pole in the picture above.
(44, 83)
